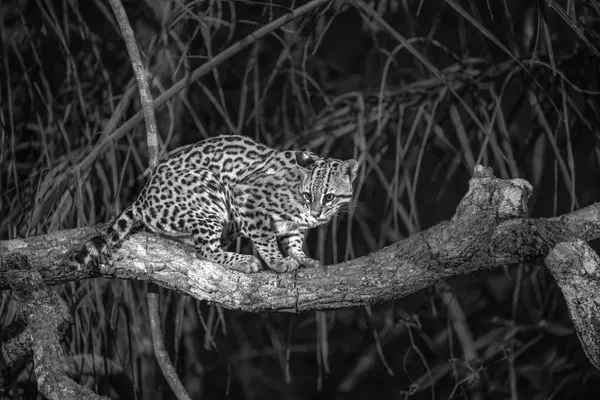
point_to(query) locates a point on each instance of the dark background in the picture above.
(520, 96)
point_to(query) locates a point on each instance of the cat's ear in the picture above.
(304, 160)
(349, 167)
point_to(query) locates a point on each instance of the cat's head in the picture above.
(327, 184)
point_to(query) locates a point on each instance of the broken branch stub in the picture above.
(488, 202)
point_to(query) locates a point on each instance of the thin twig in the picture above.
(197, 74)
(142, 80)
(162, 356)
(152, 138)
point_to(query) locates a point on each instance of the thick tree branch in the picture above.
(473, 240)
(392, 272)
(479, 236)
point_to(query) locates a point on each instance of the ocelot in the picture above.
(230, 186)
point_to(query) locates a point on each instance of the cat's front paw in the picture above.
(248, 264)
(307, 261)
(311, 263)
(287, 264)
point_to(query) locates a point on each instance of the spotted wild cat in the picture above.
(230, 186)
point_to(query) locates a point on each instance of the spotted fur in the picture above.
(230, 186)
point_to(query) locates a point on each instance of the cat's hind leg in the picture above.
(195, 207)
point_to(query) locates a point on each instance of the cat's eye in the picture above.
(308, 196)
(328, 198)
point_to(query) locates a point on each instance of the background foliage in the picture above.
(419, 92)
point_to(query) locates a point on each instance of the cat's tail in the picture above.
(102, 244)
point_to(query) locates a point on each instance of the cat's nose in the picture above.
(315, 212)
